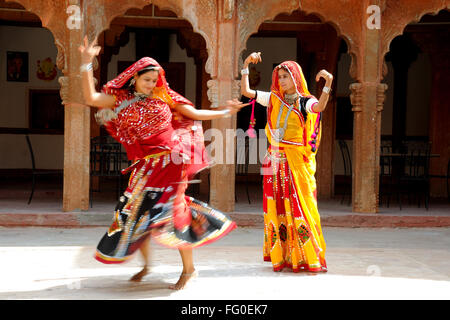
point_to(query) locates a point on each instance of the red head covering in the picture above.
(188, 137)
(297, 76)
(312, 122)
(161, 90)
(125, 76)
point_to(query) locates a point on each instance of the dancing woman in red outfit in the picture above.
(155, 125)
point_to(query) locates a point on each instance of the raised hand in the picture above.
(254, 58)
(89, 50)
(326, 75)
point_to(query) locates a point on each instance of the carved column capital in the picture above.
(213, 92)
(228, 9)
(381, 96)
(236, 89)
(64, 91)
(356, 96)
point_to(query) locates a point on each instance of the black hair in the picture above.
(149, 68)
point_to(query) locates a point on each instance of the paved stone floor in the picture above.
(381, 263)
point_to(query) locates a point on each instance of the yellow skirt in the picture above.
(292, 233)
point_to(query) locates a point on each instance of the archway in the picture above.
(316, 45)
(169, 39)
(417, 77)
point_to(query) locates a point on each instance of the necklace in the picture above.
(291, 98)
(141, 96)
(278, 132)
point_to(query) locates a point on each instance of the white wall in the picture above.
(179, 55)
(39, 44)
(126, 53)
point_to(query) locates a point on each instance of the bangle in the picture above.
(327, 90)
(245, 71)
(86, 67)
(226, 113)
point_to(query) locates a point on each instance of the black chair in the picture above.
(34, 171)
(386, 178)
(106, 160)
(447, 179)
(415, 177)
(347, 169)
(242, 162)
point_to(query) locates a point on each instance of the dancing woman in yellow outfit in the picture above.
(292, 233)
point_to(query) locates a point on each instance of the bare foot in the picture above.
(138, 276)
(184, 279)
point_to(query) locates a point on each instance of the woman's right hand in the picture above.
(89, 50)
(254, 58)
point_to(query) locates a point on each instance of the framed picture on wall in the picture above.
(46, 111)
(17, 66)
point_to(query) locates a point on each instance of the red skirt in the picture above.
(155, 203)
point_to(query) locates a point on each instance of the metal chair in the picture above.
(106, 160)
(34, 171)
(347, 168)
(242, 162)
(386, 177)
(415, 177)
(447, 179)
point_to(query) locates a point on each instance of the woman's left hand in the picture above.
(89, 50)
(326, 75)
(234, 106)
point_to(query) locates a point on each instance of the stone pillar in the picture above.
(367, 97)
(76, 157)
(222, 179)
(367, 100)
(77, 127)
(224, 87)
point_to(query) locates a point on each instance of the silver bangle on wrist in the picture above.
(86, 67)
(327, 90)
(245, 71)
(226, 113)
